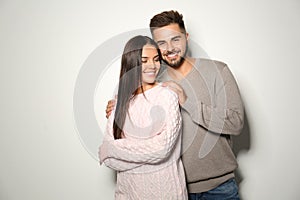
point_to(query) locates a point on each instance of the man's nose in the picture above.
(170, 46)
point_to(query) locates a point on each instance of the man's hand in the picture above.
(177, 89)
(110, 106)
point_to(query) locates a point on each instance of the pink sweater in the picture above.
(147, 160)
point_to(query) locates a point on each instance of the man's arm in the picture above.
(110, 107)
(226, 113)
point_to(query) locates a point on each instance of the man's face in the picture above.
(172, 44)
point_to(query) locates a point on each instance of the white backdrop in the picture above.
(43, 45)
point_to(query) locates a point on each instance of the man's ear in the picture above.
(187, 36)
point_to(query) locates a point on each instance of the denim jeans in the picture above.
(226, 191)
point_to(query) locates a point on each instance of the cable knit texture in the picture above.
(148, 160)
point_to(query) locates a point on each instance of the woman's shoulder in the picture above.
(166, 93)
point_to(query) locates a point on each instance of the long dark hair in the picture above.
(130, 78)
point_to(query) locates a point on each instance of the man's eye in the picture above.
(144, 61)
(160, 43)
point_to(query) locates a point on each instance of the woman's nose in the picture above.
(152, 65)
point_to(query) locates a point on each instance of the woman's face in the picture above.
(150, 65)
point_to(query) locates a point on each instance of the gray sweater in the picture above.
(212, 113)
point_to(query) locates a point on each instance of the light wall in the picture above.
(43, 45)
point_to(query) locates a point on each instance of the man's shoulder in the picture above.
(163, 75)
(205, 62)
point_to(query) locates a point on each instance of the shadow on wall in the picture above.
(241, 143)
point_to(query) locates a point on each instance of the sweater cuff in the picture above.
(189, 106)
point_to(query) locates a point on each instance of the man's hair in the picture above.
(166, 18)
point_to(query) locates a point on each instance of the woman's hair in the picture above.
(166, 18)
(130, 78)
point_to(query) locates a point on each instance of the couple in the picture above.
(143, 139)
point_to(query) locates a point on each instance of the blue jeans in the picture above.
(226, 191)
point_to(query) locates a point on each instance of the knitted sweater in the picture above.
(212, 113)
(148, 160)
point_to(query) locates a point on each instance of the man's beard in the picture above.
(176, 64)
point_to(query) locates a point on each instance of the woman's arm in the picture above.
(119, 165)
(154, 149)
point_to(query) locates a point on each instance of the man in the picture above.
(211, 109)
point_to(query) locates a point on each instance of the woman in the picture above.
(143, 137)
